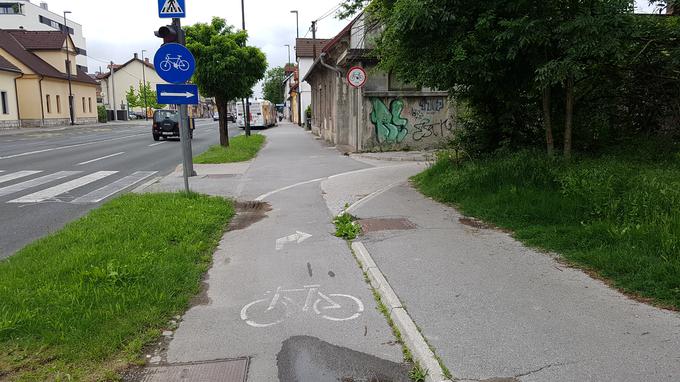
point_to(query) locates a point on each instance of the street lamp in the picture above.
(144, 89)
(297, 24)
(287, 63)
(68, 72)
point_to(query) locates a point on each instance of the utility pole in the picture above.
(68, 73)
(112, 101)
(246, 102)
(314, 38)
(144, 89)
(297, 24)
(184, 134)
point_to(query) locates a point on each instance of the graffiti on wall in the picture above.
(426, 118)
(389, 124)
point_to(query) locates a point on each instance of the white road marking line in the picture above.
(17, 175)
(298, 237)
(63, 188)
(69, 146)
(36, 182)
(113, 188)
(102, 158)
(158, 143)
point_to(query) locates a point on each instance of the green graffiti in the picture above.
(390, 126)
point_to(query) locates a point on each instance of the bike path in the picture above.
(322, 293)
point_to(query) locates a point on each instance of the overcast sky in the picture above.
(115, 29)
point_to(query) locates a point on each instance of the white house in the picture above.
(23, 14)
(305, 49)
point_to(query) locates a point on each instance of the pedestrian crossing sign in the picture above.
(171, 9)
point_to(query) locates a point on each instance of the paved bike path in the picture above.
(248, 265)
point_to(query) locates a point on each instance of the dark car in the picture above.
(166, 124)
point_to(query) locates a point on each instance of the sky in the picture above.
(116, 29)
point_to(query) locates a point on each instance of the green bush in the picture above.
(102, 115)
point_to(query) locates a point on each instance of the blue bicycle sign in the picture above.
(174, 63)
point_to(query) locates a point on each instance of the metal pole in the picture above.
(288, 45)
(297, 24)
(112, 101)
(144, 88)
(68, 73)
(246, 102)
(184, 134)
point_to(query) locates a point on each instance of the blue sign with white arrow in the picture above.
(174, 63)
(171, 8)
(177, 94)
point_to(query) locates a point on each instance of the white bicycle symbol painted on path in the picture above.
(174, 62)
(274, 310)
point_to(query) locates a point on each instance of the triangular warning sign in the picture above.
(171, 6)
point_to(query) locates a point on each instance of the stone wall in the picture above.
(9, 124)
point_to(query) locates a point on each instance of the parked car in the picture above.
(132, 115)
(231, 117)
(216, 116)
(166, 125)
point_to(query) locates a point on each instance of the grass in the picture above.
(81, 303)
(346, 227)
(617, 215)
(241, 149)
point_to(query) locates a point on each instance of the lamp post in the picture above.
(299, 98)
(246, 102)
(288, 62)
(297, 24)
(68, 73)
(144, 89)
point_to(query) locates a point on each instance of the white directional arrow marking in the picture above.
(185, 94)
(298, 237)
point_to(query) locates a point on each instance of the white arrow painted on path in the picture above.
(298, 237)
(185, 94)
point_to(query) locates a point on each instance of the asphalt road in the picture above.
(50, 178)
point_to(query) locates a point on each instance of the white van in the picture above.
(262, 114)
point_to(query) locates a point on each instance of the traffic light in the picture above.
(168, 33)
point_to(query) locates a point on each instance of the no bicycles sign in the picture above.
(356, 77)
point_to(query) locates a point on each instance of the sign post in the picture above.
(175, 64)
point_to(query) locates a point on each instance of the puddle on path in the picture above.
(309, 359)
(248, 213)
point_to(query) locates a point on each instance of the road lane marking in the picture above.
(63, 188)
(36, 182)
(298, 237)
(69, 146)
(102, 158)
(113, 188)
(17, 175)
(158, 143)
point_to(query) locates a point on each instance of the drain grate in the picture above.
(389, 224)
(230, 370)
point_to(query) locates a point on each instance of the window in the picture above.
(83, 104)
(58, 105)
(54, 24)
(89, 103)
(3, 100)
(11, 9)
(49, 104)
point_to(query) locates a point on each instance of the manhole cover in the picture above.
(394, 224)
(232, 370)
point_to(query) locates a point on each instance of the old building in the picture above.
(384, 114)
(44, 81)
(306, 51)
(9, 111)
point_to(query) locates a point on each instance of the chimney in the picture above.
(146, 59)
(43, 5)
(136, 56)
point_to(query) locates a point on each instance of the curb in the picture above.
(413, 339)
(425, 158)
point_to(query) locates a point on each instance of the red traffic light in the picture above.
(168, 33)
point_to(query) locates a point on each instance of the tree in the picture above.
(131, 98)
(144, 92)
(226, 68)
(273, 85)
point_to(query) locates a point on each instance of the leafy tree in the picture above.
(146, 92)
(273, 85)
(131, 98)
(226, 68)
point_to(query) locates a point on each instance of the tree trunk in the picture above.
(222, 110)
(547, 122)
(569, 117)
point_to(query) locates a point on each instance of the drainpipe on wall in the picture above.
(42, 105)
(333, 68)
(16, 95)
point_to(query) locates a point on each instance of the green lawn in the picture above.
(617, 215)
(241, 149)
(80, 303)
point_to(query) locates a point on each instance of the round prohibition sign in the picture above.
(356, 76)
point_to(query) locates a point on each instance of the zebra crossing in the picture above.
(37, 186)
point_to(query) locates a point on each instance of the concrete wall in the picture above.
(11, 119)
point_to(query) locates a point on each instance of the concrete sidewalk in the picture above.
(493, 308)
